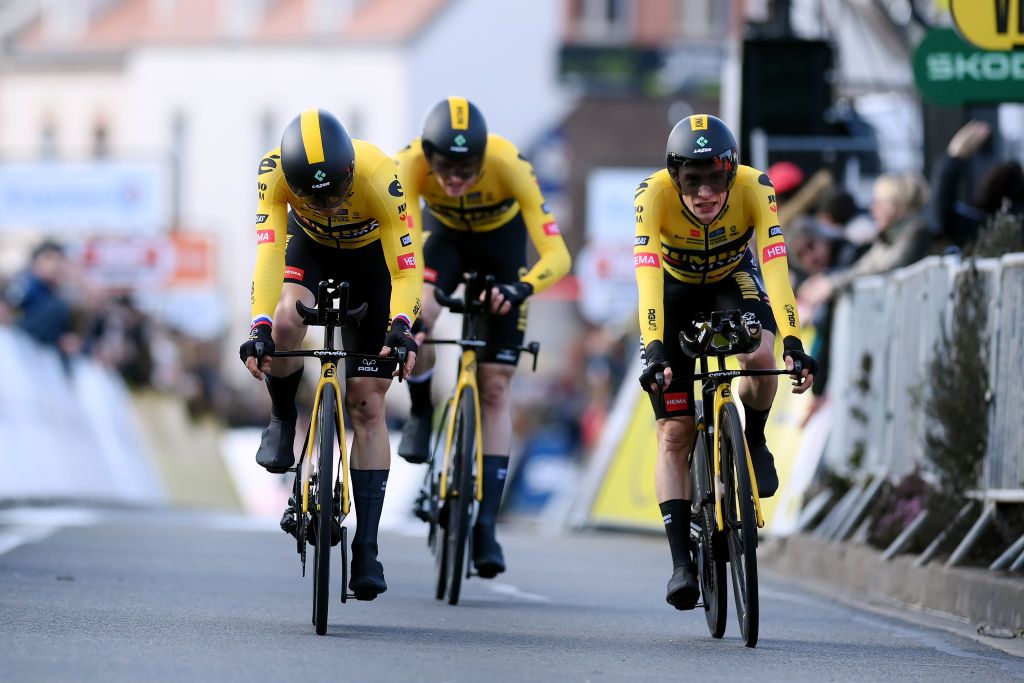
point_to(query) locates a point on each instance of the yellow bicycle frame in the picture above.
(467, 378)
(328, 375)
(723, 395)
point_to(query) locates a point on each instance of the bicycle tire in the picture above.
(710, 564)
(437, 535)
(324, 510)
(461, 491)
(740, 520)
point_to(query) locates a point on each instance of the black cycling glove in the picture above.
(516, 292)
(794, 348)
(400, 336)
(259, 334)
(655, 362)
(420, 326)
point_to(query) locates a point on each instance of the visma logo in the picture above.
(990, 24)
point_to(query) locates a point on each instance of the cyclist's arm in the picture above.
(271, 239)
(647, 264)
(396, 239)
(408, 162)
(554, 261)
(771, 251)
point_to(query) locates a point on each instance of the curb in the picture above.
(980, 596)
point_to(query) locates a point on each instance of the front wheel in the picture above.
(710, 564)
(740, 520)
(461, 492)
(324, 507)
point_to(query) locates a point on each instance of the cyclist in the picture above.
(347, 220)
(482, 200)
(694, 220)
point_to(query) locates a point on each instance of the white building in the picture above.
(208, 86)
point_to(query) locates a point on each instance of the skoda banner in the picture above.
(950, 71)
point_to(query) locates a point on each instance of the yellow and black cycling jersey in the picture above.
(505, 186)
(375, 210)
(670, 239)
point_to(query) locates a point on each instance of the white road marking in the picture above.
(508, 590)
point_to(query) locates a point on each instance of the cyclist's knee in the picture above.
(430, 308)
(675, 435)
(289, 329)
(494, 386)
(364, 399)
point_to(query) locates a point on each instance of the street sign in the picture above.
(951, 72)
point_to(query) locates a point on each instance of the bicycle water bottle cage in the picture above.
(324, 314)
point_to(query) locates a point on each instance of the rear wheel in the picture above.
(740, 521)
(324, 507)
(461, 492)
(710, 565)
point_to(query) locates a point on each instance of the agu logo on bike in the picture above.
(677, 401)
(406, 261)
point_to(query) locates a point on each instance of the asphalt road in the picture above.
(165, 596)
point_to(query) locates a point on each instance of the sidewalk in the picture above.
(993, 600)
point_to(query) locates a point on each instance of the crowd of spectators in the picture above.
(833, 242)
(52, 302)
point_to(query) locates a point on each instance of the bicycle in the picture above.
(453, 483)
(318, 509)
(728, 506)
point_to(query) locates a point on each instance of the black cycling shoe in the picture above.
(415, 443)
(683, 589)
(367, 580)
(764, 470)
(277, 445)
(488, 559)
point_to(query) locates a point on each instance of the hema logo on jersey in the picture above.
(406, 261)
(646, 259)
(773, 251)
(551, 228)
(264, 237)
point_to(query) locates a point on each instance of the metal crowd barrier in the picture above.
(897, 320)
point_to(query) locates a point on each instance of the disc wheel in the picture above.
(323, 510)
(461, 492)
(710, 565)
(740, 521)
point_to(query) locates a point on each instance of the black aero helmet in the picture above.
(318, 159)
(455, 129)
(703, 141)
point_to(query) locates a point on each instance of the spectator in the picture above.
(41, 309)
(839, 208)
(1002, 189)
(902, 237)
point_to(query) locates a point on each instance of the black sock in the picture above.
(419, 392)
(676, 515)
(368, 491)
(495, 472)
(756, 420)
(282, 395)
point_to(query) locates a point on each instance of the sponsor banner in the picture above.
(772, 251)
(148, 263)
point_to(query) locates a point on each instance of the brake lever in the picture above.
(402, 354)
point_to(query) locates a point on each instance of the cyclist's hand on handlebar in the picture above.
(255, 351)
(656, 374)
(400, 336)
(420, 330)
(504, 297)
(802, 365)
